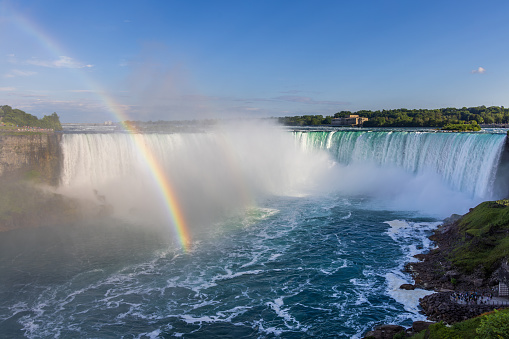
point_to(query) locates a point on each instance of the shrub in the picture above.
(495, 325)
(441, 331)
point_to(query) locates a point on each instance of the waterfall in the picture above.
(467, 162)
(226, 169)
(211, 172)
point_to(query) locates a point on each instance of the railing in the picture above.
(481, 301)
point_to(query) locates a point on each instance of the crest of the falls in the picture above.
(467, 162)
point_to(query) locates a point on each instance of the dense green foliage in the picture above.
(473, 126)
(490, 325)
(305, 120)
(19, 118)
(412, 117)
(441, 331)
(495, 325)
(485, 231)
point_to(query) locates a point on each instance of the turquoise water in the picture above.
(299, 235)
(299, 267)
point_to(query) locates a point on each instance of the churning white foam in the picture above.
(412, 237)
(408, 298)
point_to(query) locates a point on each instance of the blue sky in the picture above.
(167, 60)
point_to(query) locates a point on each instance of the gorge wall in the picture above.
(31, 155)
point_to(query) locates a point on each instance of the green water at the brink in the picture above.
(323, 264)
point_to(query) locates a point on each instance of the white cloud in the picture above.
(7, 89)
(62, 62)
(19, 73)
(479, 70)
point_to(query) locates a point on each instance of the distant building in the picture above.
(351, 120)
(108, 123)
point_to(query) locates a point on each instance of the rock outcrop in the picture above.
(34, 155)
(385, 332)
(29, 163)
(441, 307)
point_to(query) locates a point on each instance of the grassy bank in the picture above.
(483, 237)
(490, 325)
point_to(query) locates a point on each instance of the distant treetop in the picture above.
(403, 117)
(20, 118)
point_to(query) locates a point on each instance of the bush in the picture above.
(441, 331)
(495, 325)
(400, 335)
(462, 127)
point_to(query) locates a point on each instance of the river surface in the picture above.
(295, 262)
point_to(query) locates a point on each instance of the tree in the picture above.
(21, 118)
(489, 120)
(495, 325)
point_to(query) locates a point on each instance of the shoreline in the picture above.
(455, 295)
(435, 272)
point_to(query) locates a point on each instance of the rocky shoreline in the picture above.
(436, 272)
(442, 307)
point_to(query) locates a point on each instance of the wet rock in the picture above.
(441, 307)
(407, 287)
(478, 282)
(419, 326)
(385, 332)
(452, 219)
(452, 274)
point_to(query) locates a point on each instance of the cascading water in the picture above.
(288, 239)
(466, 161)
(210, 173)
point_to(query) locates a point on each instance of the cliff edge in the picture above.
(35, 156)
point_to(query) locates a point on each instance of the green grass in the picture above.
(485, 235)
(467, 329)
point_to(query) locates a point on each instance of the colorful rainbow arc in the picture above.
(165, 188)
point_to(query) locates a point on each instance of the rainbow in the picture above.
(165, 188)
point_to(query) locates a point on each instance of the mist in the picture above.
(231, 167)
(396, 189)
(264, 212)
(212, 174)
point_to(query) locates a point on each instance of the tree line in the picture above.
(8, 115)
(403, 117)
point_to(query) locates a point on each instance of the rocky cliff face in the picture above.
(28, 164)
(34, 155)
